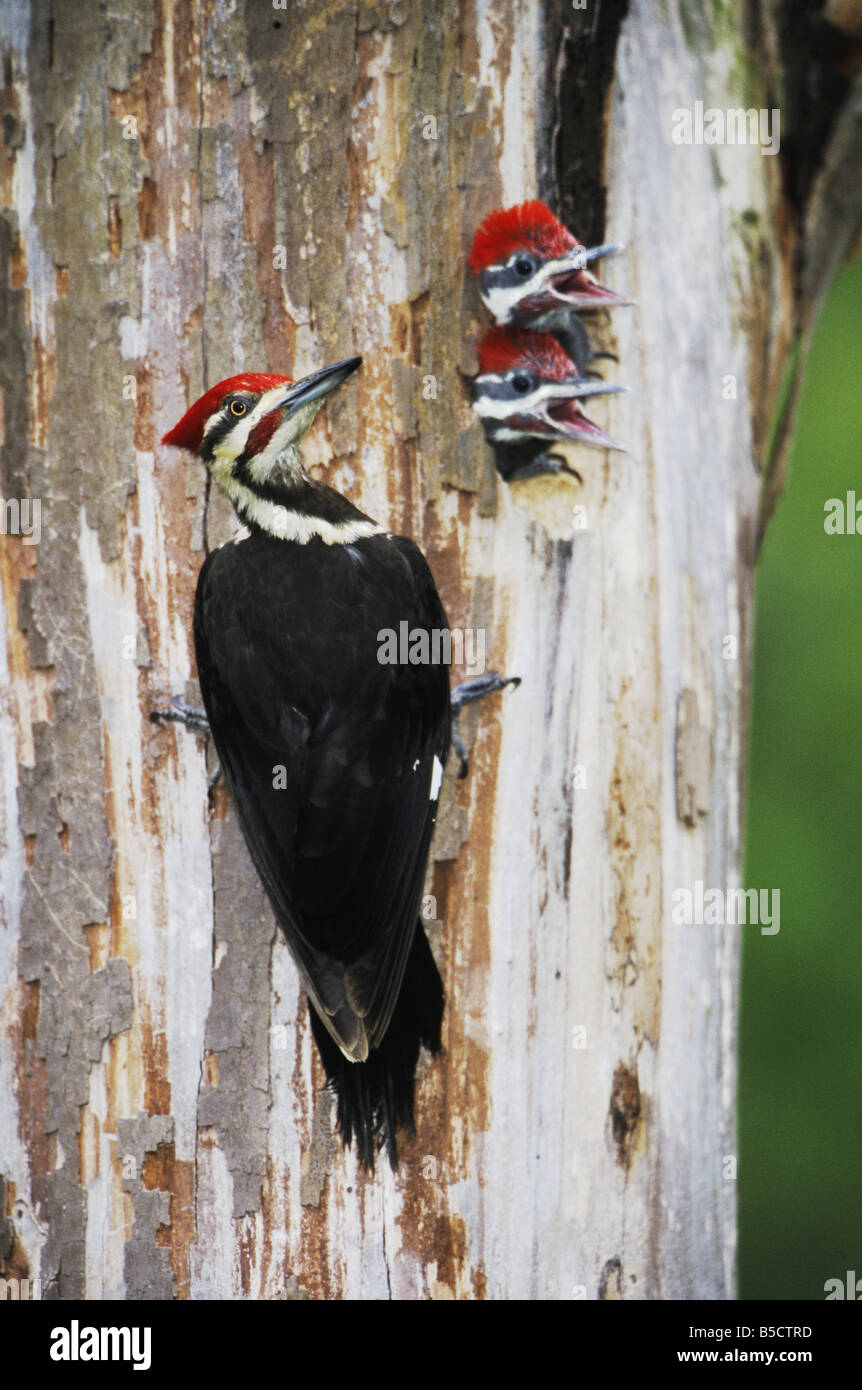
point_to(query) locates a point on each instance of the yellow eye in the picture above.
(238, 407)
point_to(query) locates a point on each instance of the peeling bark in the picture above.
(192, 191)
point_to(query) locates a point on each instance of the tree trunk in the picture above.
(192, 191)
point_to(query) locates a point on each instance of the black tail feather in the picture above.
(375, 1097)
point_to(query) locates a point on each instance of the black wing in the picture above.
(329, 754)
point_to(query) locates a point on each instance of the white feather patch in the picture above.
(436, 779)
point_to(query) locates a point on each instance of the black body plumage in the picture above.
(329, 755)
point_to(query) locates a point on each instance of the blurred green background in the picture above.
(800, 1172)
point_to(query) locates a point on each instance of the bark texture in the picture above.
(192, 190)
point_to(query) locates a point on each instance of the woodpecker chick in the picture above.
(532, 271)
(333, 758)
(527, 395)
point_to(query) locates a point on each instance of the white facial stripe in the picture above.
(492, 408)
(288, 525)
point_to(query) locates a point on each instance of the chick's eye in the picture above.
(238, 407)
(521, 384)
(523, 267)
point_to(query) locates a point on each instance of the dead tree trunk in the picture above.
(189, 191)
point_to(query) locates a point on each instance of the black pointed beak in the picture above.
(318, 384)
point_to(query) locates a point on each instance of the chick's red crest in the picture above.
(529, 225)
(503, 349)
(188, 432)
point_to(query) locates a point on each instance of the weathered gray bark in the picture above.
(273, 189)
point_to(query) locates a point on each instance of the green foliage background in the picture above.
(800, 1172)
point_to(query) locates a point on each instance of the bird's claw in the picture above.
(466, 694)
(182, 713)
(192, 718)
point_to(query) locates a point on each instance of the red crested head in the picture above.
(504, 349)
(188, 432)
(529, 226)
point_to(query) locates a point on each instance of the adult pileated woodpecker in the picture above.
(527, 396)
(333, 760)
(533, 273)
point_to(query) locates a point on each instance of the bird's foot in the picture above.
(181, 713)
(466, 694)
(192, 718)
